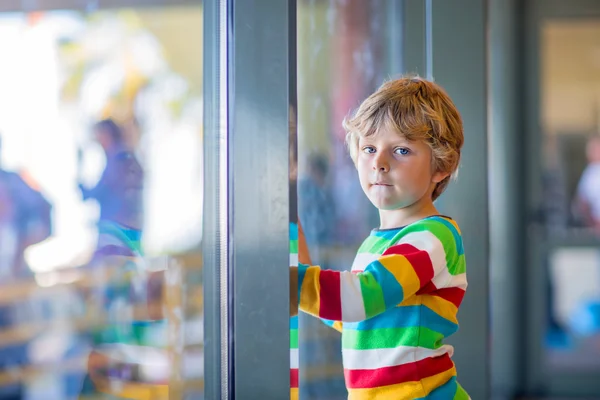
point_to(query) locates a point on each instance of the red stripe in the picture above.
(293, 378)
(411, 372)
(453, 295)
(331, 296)
(419, 260)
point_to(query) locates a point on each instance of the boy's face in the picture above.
(394, 172)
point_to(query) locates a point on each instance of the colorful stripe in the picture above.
(395, 308)
(294, 353)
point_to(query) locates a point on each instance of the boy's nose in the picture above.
(380, 164)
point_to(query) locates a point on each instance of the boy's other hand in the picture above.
(293, 291)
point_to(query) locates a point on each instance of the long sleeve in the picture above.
(417, 261)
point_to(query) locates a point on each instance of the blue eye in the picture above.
(402, 151)
(369, 149)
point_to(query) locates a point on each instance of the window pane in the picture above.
(571, 193)
(101, 202)
(345, 51)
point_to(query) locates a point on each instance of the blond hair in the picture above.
(418, 110)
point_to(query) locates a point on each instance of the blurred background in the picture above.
(102, 186)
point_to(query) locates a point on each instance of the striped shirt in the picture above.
(394, 309)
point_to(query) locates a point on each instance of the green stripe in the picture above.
(372, 295)
(293, 338)
(460, 267)
(152, 334)
(294, 246)
(389, 338)
(375, 245)
(461, 394)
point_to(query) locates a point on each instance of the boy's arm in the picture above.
(418, 260)
(304, 258)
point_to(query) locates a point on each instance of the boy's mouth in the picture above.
(381, 184)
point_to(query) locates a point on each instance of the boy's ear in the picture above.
(439, 176)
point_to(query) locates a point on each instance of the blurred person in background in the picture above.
(587, 202)
(25, 219)
(128, 357)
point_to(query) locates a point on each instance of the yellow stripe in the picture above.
(403, 391)
(441, 306)
(434, 382)
(404, 273)
(338, 326)
(310, 292)
(455, 225)
(294, 394)
(139, 391)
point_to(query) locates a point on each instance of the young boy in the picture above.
(400, 301)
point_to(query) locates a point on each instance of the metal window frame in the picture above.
(414, 44)
(215, 212)
(508, 291)
(261, 67)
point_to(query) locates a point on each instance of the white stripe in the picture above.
(294, 359)
(362, 260)
(428, 242)
(381, 358)
(134, 354)
(458, 281)
(293, 259)
(353, 309)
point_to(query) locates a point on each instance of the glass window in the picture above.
(346, 49)
(101, 203)
(570, 120)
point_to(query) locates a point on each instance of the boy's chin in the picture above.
(383, 205)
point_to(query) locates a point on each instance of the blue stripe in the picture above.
(393, 293)
(457, 237)
(301, 272)
(294, 322)
(388, 234)
(406, 317)
(444, 392)
(147, 323)
(293, 231)
(328, 322)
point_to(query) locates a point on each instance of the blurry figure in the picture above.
(128, 358)
(110, 136)
(315, 203)
(25, 219)
(587, 202)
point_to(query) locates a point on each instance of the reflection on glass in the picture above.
(100, 204)
(342, 58)
(571, 192)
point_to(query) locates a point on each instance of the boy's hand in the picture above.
(293, 291)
